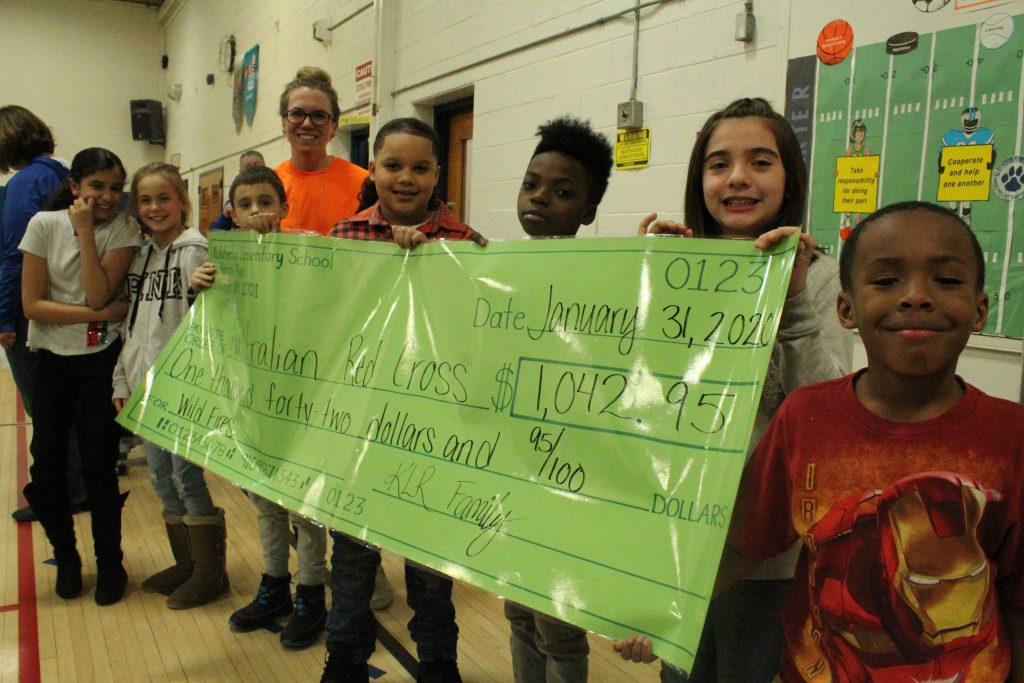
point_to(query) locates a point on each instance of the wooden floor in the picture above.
(45, 638)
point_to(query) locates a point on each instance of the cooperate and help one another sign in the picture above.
(561, 422)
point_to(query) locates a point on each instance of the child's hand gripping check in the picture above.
(202, 277)
(635, 649)
(408, 238)
(804, 254)
(650, 225)
(263, 222)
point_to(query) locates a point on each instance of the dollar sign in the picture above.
(503, 397)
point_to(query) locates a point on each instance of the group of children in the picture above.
(892, 495)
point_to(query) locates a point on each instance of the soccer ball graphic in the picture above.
(929, 5)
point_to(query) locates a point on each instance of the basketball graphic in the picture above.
(929, 5)
(835, 42)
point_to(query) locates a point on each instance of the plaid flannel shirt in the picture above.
(370, 225)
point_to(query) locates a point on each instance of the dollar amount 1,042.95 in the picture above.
(580, 396)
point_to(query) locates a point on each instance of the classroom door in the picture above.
(211, 187)
(359, 149)
(460, 146)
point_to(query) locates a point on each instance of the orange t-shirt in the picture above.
(319, 199)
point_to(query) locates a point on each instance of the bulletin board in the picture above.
(933, 115)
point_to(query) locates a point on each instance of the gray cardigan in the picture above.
(811, 346)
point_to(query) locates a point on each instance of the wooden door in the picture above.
(460, 140)
(211, 188)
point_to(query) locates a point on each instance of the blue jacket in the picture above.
(26, 192)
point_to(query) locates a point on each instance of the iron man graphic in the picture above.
(900, 586)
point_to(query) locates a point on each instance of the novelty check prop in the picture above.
(561, 422)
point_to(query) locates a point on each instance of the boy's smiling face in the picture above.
(554, 199)
(913, 294)
(405, 172)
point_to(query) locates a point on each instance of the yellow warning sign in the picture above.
(632, 148)
(856, 185)
(354, 120)
(965, 173)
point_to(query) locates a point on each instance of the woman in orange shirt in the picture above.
(321, 189)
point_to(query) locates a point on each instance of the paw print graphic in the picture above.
(1013, 178)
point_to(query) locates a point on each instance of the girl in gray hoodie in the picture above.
(159, 299)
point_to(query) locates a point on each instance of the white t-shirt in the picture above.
(51, 237)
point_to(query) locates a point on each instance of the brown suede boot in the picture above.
(207, 538)
(169, 579)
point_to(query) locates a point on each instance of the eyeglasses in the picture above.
(298, 116)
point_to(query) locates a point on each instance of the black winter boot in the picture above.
(60, 531)
(439, 671)
(273, 599)
(111, 578)
(111, 581)
(69, 577)
(337, 670)
(308, 619)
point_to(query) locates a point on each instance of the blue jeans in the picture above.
(351, 626)
(179, 483)
(23, 367)
(545, 649)
(742, 640)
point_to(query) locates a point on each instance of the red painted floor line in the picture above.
(9, 608)
(28, 622)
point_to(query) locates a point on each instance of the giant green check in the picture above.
(561, 422)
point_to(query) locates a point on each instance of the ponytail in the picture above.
(367, 195)
(61, 198)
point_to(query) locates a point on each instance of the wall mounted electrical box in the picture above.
(631, 114)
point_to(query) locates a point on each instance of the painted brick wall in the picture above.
(689, 65)
(77, 65)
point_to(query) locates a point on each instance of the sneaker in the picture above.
(27, 514)
(110, 584)
(383, 596)
(336, 670)
(273, 599)
(439, 671)
(307, 620)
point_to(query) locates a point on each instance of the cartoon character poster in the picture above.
(934, 116)
(856, 192)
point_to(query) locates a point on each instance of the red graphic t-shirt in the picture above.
(911, 535)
